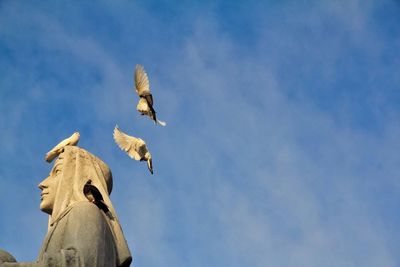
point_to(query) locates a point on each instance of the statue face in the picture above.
(49, 189)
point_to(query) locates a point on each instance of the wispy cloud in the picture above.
(280, 148)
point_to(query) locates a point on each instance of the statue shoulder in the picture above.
(85, 210)
(84, 222)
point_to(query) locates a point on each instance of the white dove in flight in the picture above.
(70, 141)
(142, 85)
(135, 147)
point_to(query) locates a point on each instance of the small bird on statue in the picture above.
(135, 147)
(58, 149)
(145, 105)
(94, 196)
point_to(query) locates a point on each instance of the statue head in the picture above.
(76, 176)
(67, 182)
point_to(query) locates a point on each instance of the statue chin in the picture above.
(45, 210)
(6, 257)
(46, 207)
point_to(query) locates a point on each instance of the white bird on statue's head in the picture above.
(58, 149)
(142, 85)
(135, 147)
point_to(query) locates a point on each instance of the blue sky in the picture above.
(281, 147)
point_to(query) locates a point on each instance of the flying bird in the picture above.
(70, 141)
(135, 147)
(142, 85)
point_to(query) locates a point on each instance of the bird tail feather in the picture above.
(162, 123)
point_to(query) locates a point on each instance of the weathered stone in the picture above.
(83, 226)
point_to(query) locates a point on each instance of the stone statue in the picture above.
(83, 227)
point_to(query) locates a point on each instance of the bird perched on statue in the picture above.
(58, 149)
(135, 147)
(142, 85)
(94, 196)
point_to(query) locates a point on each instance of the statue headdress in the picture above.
(80, 168)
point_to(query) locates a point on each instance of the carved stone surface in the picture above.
(83, 227)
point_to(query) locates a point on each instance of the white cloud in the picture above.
(249, 171)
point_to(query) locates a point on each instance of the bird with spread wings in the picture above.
(142, 87)
(135, 147)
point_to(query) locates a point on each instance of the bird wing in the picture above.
(141, 81)
(127, 143)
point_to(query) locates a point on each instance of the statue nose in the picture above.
(41, 186)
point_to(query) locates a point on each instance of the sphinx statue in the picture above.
(83, 227)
